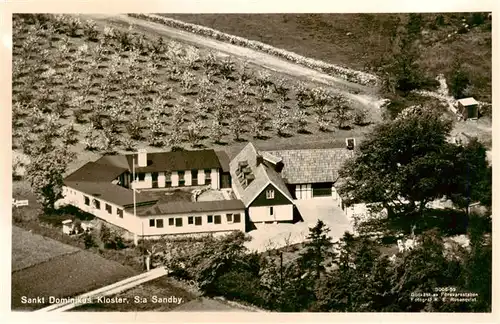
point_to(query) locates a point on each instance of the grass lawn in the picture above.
(359, 41)
(25, 243)
(65, 276)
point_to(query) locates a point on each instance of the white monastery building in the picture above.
(259, 186)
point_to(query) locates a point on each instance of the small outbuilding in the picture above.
(468, 108)
(67, 226)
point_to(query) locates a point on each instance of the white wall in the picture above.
(76, 198)
(336, 197)
(262, 213)
(161, 179)
(187, 178)
(175, 179)
(146, 184)
(192, 228)
(303, 191)
(214, 176)
(139, 224)
(201, 177)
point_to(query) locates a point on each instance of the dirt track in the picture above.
(363, 95)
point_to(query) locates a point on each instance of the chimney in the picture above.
(142, 158)
(350, 143)
(279, 166)
(259, 160)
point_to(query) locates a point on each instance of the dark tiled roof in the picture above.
(95, 178)
(263, 176)
(181, 207)
(312, 165)
(224, 160)
(114, 160)
(330, 144)
(93, 171)
(109, 192)
(179, 160)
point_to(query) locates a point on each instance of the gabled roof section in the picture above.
(312, 165)
(271, 158)
(248, 153)
(261, 176)
(114, 160)
(223, 160)
(267, 176)
(109, 192)
(177, 161)
(96, 172)
(468, 101)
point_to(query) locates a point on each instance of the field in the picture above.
(24, 243)
(359, 41)
(62, 275)
(109, 89)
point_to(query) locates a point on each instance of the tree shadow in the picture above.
(176, 148)
(363, 124)
(285, 135)
(198, 146)
(448, 221)
(297, 217)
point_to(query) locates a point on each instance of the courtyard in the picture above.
(273, 236)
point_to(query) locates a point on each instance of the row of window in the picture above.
(194, 175)
(97, 205)
(195, 220)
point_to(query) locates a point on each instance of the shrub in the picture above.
(77, 227)
(360, 117)
(458, 82)
(476, 18)
(79, 115)
(73, 25)
(88, 240)
(124, 38)
(176, 148)
(105, 234)
(440, 21)
(239, 285)
(90, 30)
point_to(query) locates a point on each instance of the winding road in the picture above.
(364, 95)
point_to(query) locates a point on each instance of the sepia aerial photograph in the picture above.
(252, 162)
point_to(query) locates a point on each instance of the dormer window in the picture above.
(270, 194)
